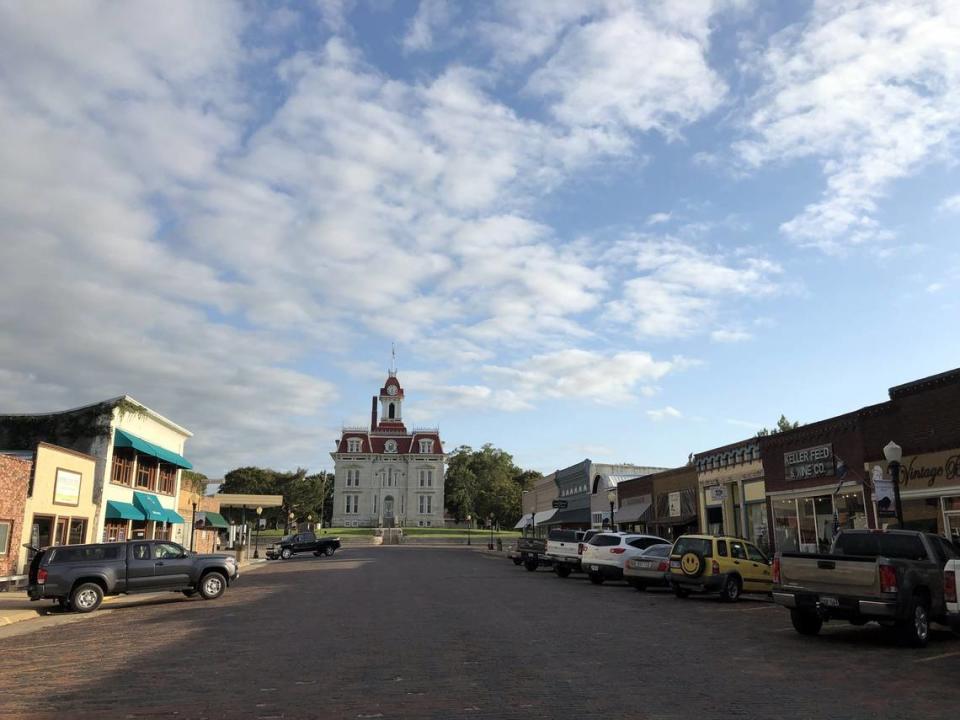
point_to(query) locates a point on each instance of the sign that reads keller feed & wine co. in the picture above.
(808, 463)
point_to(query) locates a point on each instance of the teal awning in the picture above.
(117, 510)
(172, 516)
(215, 520)
(121, 438)
(150, 506)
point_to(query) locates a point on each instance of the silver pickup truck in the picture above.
(893, 577)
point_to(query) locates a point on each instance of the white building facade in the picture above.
(386, 476)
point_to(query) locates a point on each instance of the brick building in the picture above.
(663, 503)
(15, 474)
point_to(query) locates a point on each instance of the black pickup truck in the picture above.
(79, 576)
(290, 545)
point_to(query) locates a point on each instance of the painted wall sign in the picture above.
(674, 500)
(66, 489)
(808, 463)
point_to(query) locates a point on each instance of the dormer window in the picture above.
(426, 446)
(354, 445)
(390, 446)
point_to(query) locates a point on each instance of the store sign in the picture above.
(809, 463)
(674, 500)
(932, 470)
(718, 493)
(883, 492)
(66, 489)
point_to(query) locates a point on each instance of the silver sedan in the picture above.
(649, 569)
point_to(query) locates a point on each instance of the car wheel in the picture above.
(562, 571)
(86, 598)
(680, 592)
(596, 578)
(805, 622)
(328, 551)
(530, 565)
(212, 585)
(915, 630)
(189, 593)
(286, 553)
(517, 561)
(731, 589)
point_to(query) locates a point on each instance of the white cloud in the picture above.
(432, 16)
(658, 218)
(723, 335)
(950, 204)
(680, 287)
(934, 287)
(665, 413)
(870, 89)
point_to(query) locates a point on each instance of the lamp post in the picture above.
(611, 498)
(893, 453)
(256, 545)
(469, 523)
(290, 518)
(526, 492)
(490, 523)
(193, 525)
(309, 521)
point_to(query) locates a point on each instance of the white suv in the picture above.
(605, 555)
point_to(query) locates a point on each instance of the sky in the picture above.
(627, 231)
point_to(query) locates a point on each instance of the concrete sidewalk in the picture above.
(16, 607)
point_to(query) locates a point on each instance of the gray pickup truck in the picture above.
(79, 576)
(894, 577)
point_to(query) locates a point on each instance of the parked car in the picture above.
(290, 545)
(718, 564)
(79, 576)
(533, 552)
(563, 551)
(651, 568)
(950, 571)
(895, 577)
(606, 553)
(514, 553)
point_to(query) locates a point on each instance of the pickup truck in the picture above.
(894, 577)
(532, 552)
(563, 551)
(291, 545)
(950, 572)
(79, 576)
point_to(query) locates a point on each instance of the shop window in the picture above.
(78, 531)
(922, 514)
(6, 526)
(146, 473)
(122, 473)
(115, 531)
(785, 525)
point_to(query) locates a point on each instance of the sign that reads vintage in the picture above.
(808, 463)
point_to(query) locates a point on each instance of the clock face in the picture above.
(392, 390)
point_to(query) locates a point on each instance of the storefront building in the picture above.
(537, 506)
(731, 492)
(15, 472)
(674, 509)
(205, 528)
(59, 509)
(138, 457)
(635, 504)
(606, 477)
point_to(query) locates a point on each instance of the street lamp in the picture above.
(309, 521)
(533, 518)
(256, 544)
(893, 453)
(490, 522)
(611, 498)
(469, 523)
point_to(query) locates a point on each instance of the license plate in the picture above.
(829, 602)
(595, 568)
(644, 564)
(674, 563)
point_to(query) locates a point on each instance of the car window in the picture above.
(308, 537)
(661, 550)
(698, 545)
(141, 551)
(857, 544)
(905, 547)
(645, 542)
(948, 549)
(562, 536)
(166, 551)
(755, 554)
(604, 540)
(722, 548)
(737, 551)
(83, 553)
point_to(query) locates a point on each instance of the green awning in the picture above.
(121, 438)
(215, 520)
(150, 506)
(117, 510)
(172, 516)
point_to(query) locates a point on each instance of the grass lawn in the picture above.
(409, 531)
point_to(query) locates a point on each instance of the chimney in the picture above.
(373, 414)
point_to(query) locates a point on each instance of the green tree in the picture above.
(303, 495)
(193, 481)
(782, 426)
(484, 483)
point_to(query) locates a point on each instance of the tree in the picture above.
(782, 426)
(193, 482)
(485, 482)
(303, 495)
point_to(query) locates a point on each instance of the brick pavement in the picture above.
(405, 632)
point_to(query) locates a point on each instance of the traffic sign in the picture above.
(560, 504)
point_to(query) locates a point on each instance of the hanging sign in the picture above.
(674, 500)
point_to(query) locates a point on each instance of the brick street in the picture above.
(406, 632)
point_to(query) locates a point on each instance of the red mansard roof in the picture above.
(407, 444)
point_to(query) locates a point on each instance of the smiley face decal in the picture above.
(690, 563)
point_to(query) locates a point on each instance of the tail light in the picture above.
(41, 576)
(776, 569)
(888, 579)
(579, 548)
(618, 551)
(716, 568)
(663, 566)
(950, 586)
